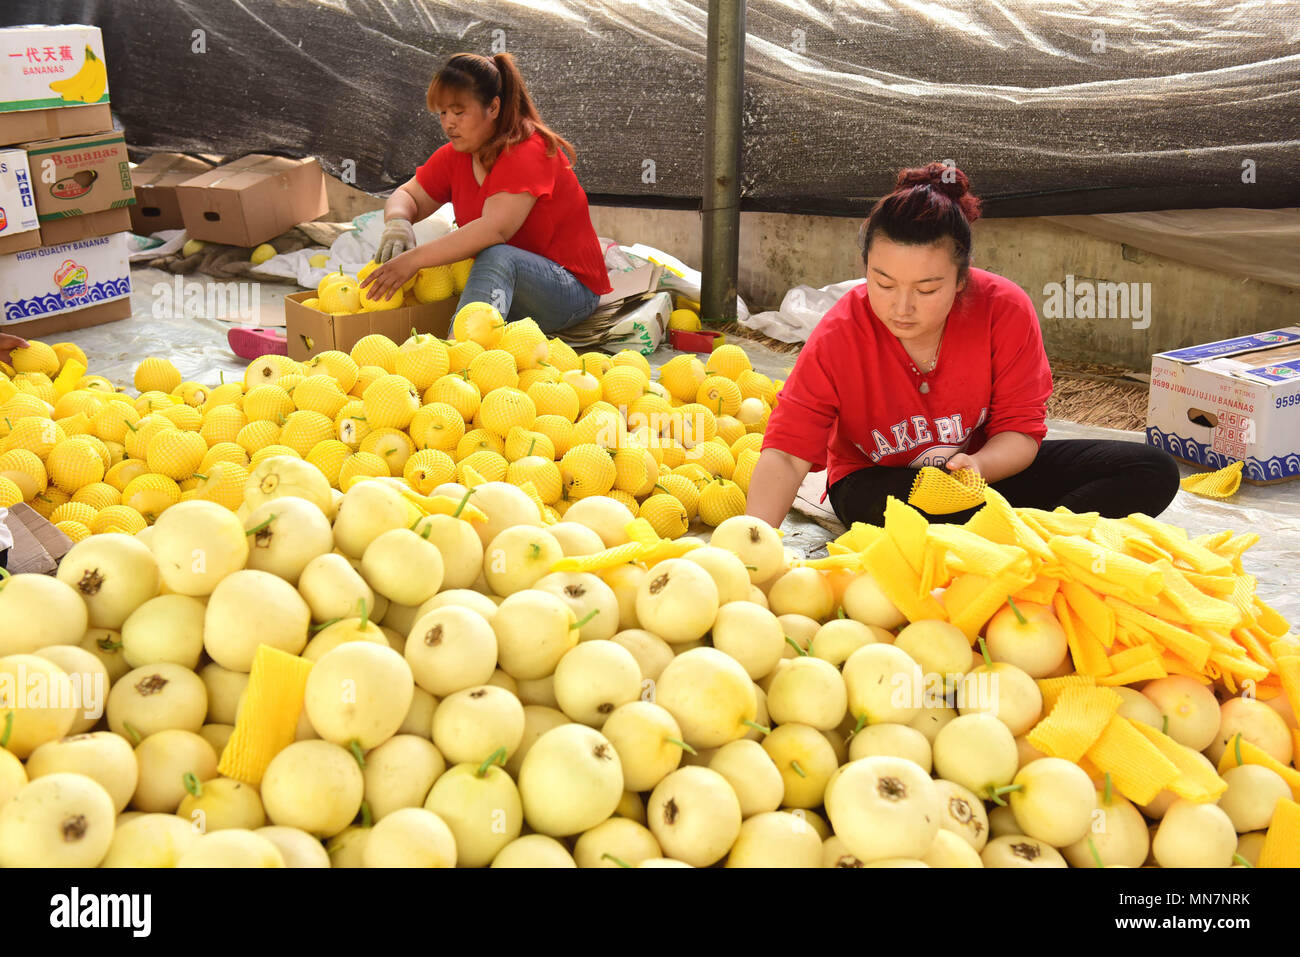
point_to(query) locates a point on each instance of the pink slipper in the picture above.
(252, 343)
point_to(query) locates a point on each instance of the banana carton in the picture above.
(53, 83)
(19, 228)
(56, 288)
(1236, 400)
(82, 186)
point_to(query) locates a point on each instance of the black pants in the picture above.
(1085, 475)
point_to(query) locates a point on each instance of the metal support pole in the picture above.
(724, 80)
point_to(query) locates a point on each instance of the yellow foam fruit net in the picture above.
(268, 717)
(645, 546)
(938, 492)
(1221, 484)
(1138, 599)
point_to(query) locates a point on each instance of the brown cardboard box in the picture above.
(38, 545)
(70, 229)
(79, 175)
(19, 242)
(155, 180)
(253, 199)
(310, 332)
(52, 124)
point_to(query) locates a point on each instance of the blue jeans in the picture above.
(522, 284)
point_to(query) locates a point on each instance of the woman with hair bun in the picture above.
(934, 362)
(521, 214)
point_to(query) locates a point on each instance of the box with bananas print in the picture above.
(53, 83)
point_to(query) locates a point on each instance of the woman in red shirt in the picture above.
(521, 214)
(933, 362)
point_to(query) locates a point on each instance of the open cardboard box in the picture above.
(1232, 400)
(310, 332)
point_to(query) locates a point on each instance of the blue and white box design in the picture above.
(52, 280)
(1229, 401)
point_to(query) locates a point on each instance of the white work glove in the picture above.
(398, 237)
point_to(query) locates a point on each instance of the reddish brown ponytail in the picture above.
(928, 203)
(487, 78)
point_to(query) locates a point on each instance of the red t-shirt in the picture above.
(852, 400)
(559, 224)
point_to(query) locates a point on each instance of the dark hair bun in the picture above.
(947, 180)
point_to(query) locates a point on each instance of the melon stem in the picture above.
(585, 618)
(798, 770)
(984, 650)
(135, 735)
(619, 861)
(496, 757)
(757, 727)
(1242, 861)
(795, 645)
(192, 785)
(9, 727)
(682, 744)
(1236, 747)
(995, 793)
(261, 526)
(367, 820)
(463, 502)
(1096, 855)
(1019, 615)
(324, 624)
(355, 747)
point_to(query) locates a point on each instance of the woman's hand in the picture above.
(389, 278)
(8, 344)
(963, 461)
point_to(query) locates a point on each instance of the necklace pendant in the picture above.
(925, 388)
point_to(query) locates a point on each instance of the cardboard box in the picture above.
(38, 546)
(253, 199)
(155, 180)
(1228, 401)
(640, 281)
(57, 288)
(19, 227)
(52, 83)
(80, 175)
(310, 332)
(106, 222)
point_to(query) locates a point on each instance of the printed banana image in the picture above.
(87, 85)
